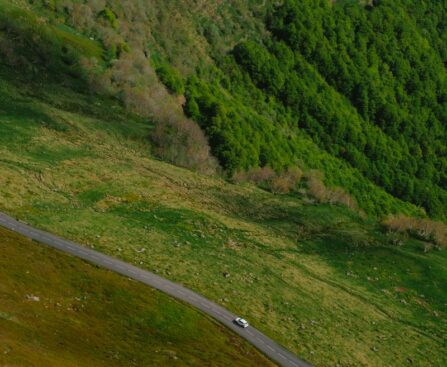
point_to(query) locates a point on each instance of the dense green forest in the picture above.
(366, 83)
(355, 89)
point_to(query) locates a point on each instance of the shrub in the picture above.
(280, 185)
(315, 185)
(294, 174)
(286, 181)
(340, 196)
(257, 176)
(171, 78)
(183, 143)
(81, 16)
(175, 138)
(266, 177)
(426, 229)
(323, 194)
(108, 15)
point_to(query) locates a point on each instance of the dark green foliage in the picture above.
(385, 68)
(247, 132)
(356, 89)
(368, 85)
(239, 137)
(171, 78)
(108, 15)
(263, 68)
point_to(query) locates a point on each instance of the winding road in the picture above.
(255, 337)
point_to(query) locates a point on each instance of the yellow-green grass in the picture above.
(56, 310)
(319, 279)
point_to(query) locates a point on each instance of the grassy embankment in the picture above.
(318, 278)
(59, 311)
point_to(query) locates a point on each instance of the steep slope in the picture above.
(246, 124)
(83, 115)
(355, 89)
(320, 279)
(59, 311)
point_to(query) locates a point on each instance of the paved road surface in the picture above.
(255, 337)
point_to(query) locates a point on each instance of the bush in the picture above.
(323, 194)
(266, 177)
(176, 139)
(340, 196)
(280, 185)
(286, 181)
(426, 229)
(257, 176)
(171, 78)
(315, 186)
(183, 143)
(108, 15)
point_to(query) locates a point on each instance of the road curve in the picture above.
(255, 337)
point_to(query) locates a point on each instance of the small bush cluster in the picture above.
(289, 180)
(266, 177)
(323, 194)
(171, 78)
(176, 138)
(286, 181)
(257, 176)
(425, 229)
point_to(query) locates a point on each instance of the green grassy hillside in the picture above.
(83, 115)
(59, 311)
(322, 280)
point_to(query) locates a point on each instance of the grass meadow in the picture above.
(331, 286)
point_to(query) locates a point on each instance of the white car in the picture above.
(241, 322)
